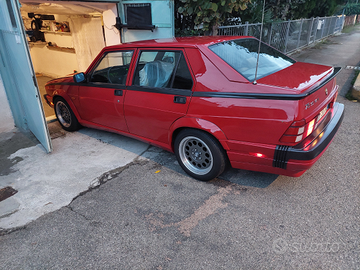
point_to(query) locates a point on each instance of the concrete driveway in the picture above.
(149, 215)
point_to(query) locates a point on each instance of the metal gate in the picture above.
(18, 75)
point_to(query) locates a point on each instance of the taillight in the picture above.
(298, 131)
(310, 127)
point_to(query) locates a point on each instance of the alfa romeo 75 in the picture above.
(212, 100)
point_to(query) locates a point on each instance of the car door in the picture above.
(102, 97)
(159, 94)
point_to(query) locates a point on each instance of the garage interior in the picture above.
(69, 40)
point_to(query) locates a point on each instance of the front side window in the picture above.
(242, 54)
(112, 68)
(163, 69)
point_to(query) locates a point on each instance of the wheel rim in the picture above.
(63, 114)
(196, 155)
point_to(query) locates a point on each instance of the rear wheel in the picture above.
(65, 115)
(199, 154)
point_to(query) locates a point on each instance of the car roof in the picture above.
(180, 42)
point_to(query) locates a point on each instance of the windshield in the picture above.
(241, 54)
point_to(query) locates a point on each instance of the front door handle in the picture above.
(181, 100)
(118, 92)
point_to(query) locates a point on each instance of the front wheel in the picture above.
(199, 154)
(65, 115)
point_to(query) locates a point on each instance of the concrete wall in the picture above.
(6, 119)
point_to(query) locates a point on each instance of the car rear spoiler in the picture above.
(323, 83)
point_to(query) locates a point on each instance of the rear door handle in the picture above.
(181, 100)
(118, 92)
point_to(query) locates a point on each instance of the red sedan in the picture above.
(211, 100)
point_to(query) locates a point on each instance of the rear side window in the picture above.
(182, 79)
(112, 68)
(241, 54)
(163, 69)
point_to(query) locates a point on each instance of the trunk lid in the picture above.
(298, 78)
(314, 86)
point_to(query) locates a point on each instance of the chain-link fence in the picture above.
(290, 35)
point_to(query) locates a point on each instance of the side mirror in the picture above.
(79, 77)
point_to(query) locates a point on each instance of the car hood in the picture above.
(67, 79)
(298, 77)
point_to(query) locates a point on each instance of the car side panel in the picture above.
(164, 146)
(245, 122)
(150, 111)
(100, 105)
(241, 119)
(150, 114)
(70, 94)
(208, 77)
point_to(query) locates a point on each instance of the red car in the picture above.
(211, 100)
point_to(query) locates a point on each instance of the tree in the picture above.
(275, 10)
(210, 14)
(316, 8)
(185, 25)
(253, 14)
(280, 10)
(348, 9)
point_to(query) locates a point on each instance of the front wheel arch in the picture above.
(65, 114)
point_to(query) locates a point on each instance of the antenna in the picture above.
(261, 30)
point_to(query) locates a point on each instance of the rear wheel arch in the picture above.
(199, 153)
(197, 124)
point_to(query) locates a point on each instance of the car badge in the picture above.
(326, 91)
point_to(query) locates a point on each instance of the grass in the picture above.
(349, 29)
(356, 75)
(319, 44)
(348, 94)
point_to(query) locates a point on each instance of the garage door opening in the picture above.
(64, 37)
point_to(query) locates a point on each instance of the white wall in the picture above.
(51, 62)
(6, 119)
(88, 39)
(112, 35)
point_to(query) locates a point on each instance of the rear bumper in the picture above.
(302, 156)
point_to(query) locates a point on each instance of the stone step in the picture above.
(356, 89)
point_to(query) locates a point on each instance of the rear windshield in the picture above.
(242, 54)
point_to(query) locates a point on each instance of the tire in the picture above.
(199, 154)
(65, 115)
